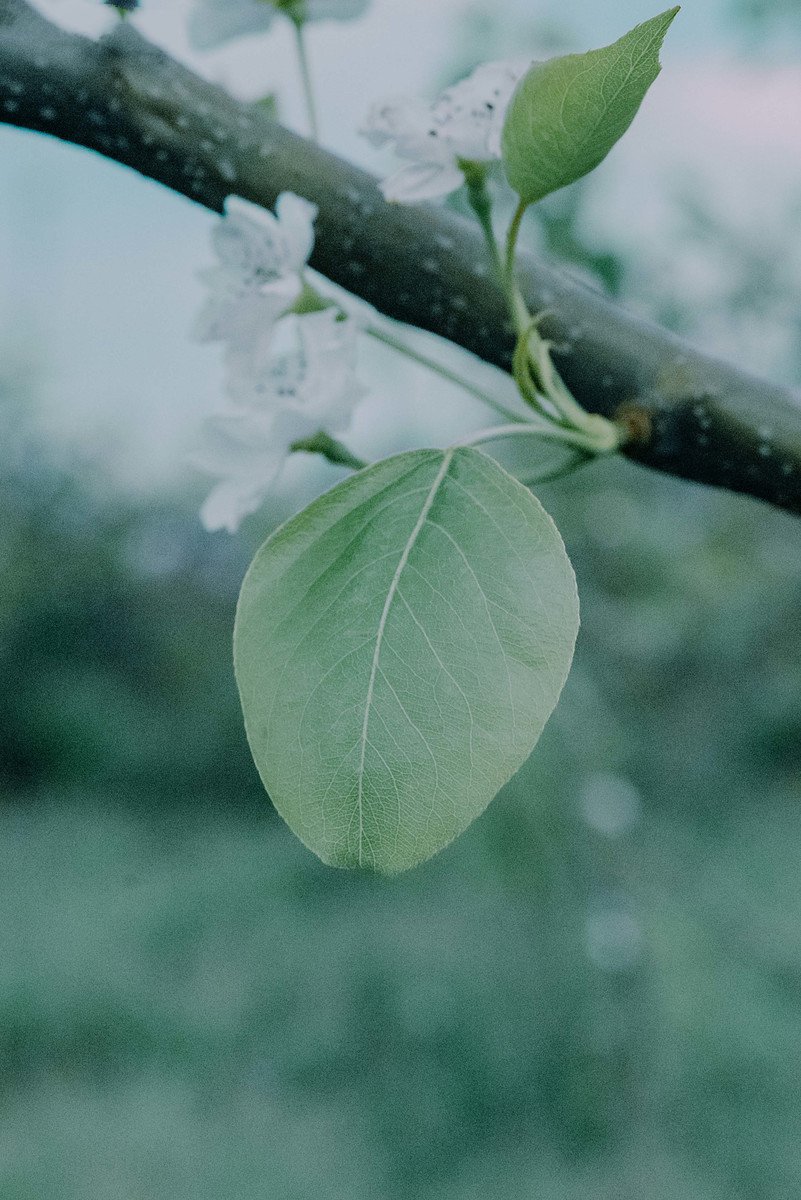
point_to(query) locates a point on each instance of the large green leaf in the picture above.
(568, 113)
(399, 647)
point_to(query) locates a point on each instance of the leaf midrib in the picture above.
(382, 624)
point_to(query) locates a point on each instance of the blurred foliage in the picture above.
(109, 619)
(761, 14)
(595, 991)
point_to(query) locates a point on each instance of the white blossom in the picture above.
(464, 123)
(309, 388)
(214, 22)
(257, 278)
(262, 246)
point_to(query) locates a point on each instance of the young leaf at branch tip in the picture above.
(568, 113)
(399, 647)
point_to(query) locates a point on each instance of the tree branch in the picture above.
(690, 415)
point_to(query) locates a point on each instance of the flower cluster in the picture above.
(463, 125)
(214, 22)
(289, 376)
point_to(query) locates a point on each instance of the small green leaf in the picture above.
(399, 646)
(568, 113)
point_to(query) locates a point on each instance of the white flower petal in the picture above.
(227, 504)
(421, 181)
(400, 120)
(257, 280)
(247, 451)
(249, 241)
(256, 246)
(330, 390)
(245, 322)
(296, 218)
(278, 398)
(464, 123)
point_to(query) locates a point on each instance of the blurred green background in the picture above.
(595, 992)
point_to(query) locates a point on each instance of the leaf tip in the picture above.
(669, 16)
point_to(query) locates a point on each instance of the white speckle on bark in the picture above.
(701, 414)
(227, 170)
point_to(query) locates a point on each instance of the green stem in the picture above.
(511, 246)
(549, 381)
(577, 459)
(475, 176)
(388, 339)
(305, 75)
(310, 300)
(603, 442)
(330, 449)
